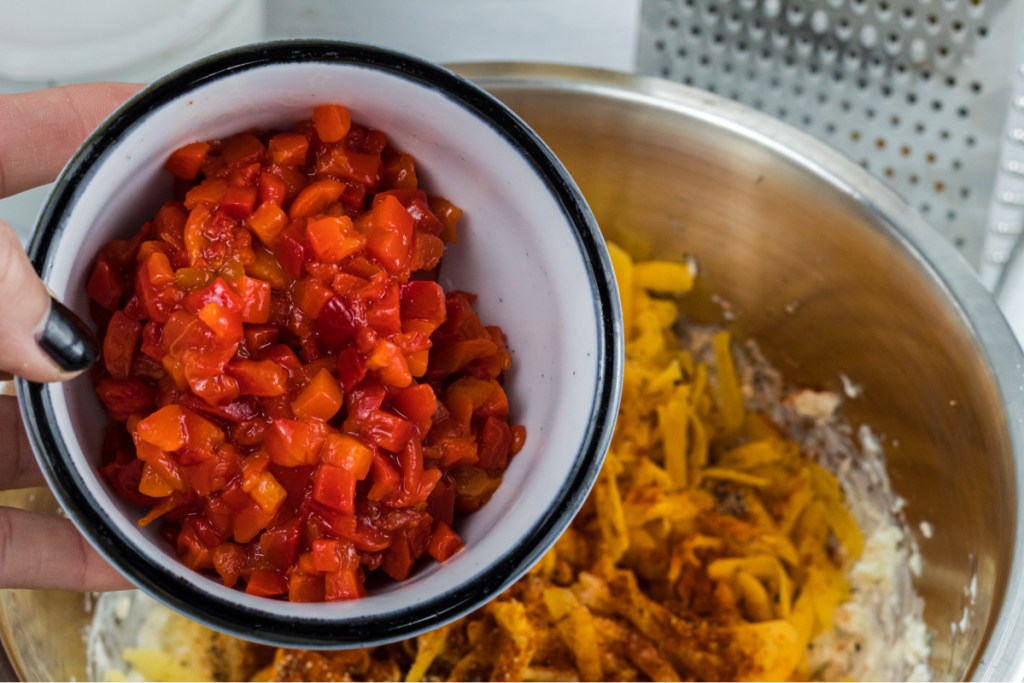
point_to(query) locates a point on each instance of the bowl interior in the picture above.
(826, 284)
(517, 251)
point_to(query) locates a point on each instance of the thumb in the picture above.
(40, 339)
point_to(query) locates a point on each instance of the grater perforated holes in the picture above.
(880, 144)
(797, 60)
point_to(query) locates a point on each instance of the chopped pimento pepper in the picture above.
(293, 398)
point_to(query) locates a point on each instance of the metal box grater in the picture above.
(925, 94)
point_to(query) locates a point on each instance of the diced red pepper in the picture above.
(320, 399)
(266, 583)
(258, 377)
(444, 542)
(345, 584)
(242, 149)
(119, 344)
(239, 202)
(185, 162)
(332, 238)
(288, 149)
(291, 443)
(105, 285)
(332, 122)
(315, 198)
(335, 487)
(389, 235)
(281, 337)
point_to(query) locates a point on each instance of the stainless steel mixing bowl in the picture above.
(832, 273)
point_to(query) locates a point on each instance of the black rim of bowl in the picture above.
(85, 511)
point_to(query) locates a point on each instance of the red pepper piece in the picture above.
(272, 189)
(345, 584)
(444, 542)
(105, 285)
(244, 148)
(186, 162)
(290, 249)
(315, 197)
(303, 587)
(389, 235)
(280, 544)
(495, 444)
(335, 487)
(288, 149)
(258, 378)
(291, 443)
(239, 202)
(125, 397)
(266, 583)
(339, 321)
(229, 561)
(119, 344)
(332, 122)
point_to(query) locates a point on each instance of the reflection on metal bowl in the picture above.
(774, 219)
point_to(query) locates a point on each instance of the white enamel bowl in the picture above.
(529, 248)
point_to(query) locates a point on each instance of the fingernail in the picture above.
(67, 339)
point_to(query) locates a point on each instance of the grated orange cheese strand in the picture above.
(729, 394)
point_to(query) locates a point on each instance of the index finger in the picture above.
(39, 131)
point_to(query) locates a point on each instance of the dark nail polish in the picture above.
(68, 340)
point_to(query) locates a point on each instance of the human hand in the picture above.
(38, 133)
